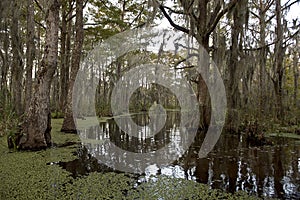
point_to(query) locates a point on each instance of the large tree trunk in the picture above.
(69, 124)
(37, 123)
(233, 93)
(30, 51)
(202, 23)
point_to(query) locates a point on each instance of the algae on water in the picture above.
(26, 175)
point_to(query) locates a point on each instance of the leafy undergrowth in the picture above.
(26, 175)
(292, 131)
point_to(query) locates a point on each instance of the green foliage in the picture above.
(8, 119)
(284, 135)
(103, 109)
(112, 17)
(254, 130)
(57, 115)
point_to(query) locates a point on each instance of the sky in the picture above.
(294, 12)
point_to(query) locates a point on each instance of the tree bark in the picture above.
(5, 60)
(36, 127)
(30, 53)
(233, 93)
(17, 62)
(65, 52)
(296, 55)
(203, 21)
(279, 57)
(262, 58)
(68, 123)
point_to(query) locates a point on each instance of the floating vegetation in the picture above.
(26, 175)
(285, 135)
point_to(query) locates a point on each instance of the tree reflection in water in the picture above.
(272, 171)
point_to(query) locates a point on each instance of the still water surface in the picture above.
(271, 170)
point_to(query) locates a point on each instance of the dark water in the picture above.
(272, 170)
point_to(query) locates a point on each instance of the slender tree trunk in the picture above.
(296, 74)
(69, 124)
(5, 43)
(279, 57)
(262, 59)
(17, 63)
(37, 123)
(30, 53)
(5, 59)
(296, 56)
(65, 53)
(63, 58)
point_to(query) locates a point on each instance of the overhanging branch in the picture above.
(177, 27)
(220, 15)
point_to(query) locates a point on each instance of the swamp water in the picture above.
(233, 165)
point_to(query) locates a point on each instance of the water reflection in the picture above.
(272, 171)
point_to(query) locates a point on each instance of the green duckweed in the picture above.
(34, 175)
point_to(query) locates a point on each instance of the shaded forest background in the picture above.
(253, 42)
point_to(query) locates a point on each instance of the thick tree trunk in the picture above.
(69, 124)
(30, 51)
(38, 54)
(55, 93)
(203, 39)
(37, 123)
(233, 93)
(202, 24)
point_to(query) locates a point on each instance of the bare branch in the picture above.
(215, 13)
(255, 15)
(220, 15)
(286, 6)
(180, 12)
(187, 67)
(85, 3)
(70, 9)
(39, 6)
(289, 5)
(184, 60)
(71, 17)
(136, 18)
(269, 4)
(272, 43)
(40, 24)
(180, 28)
